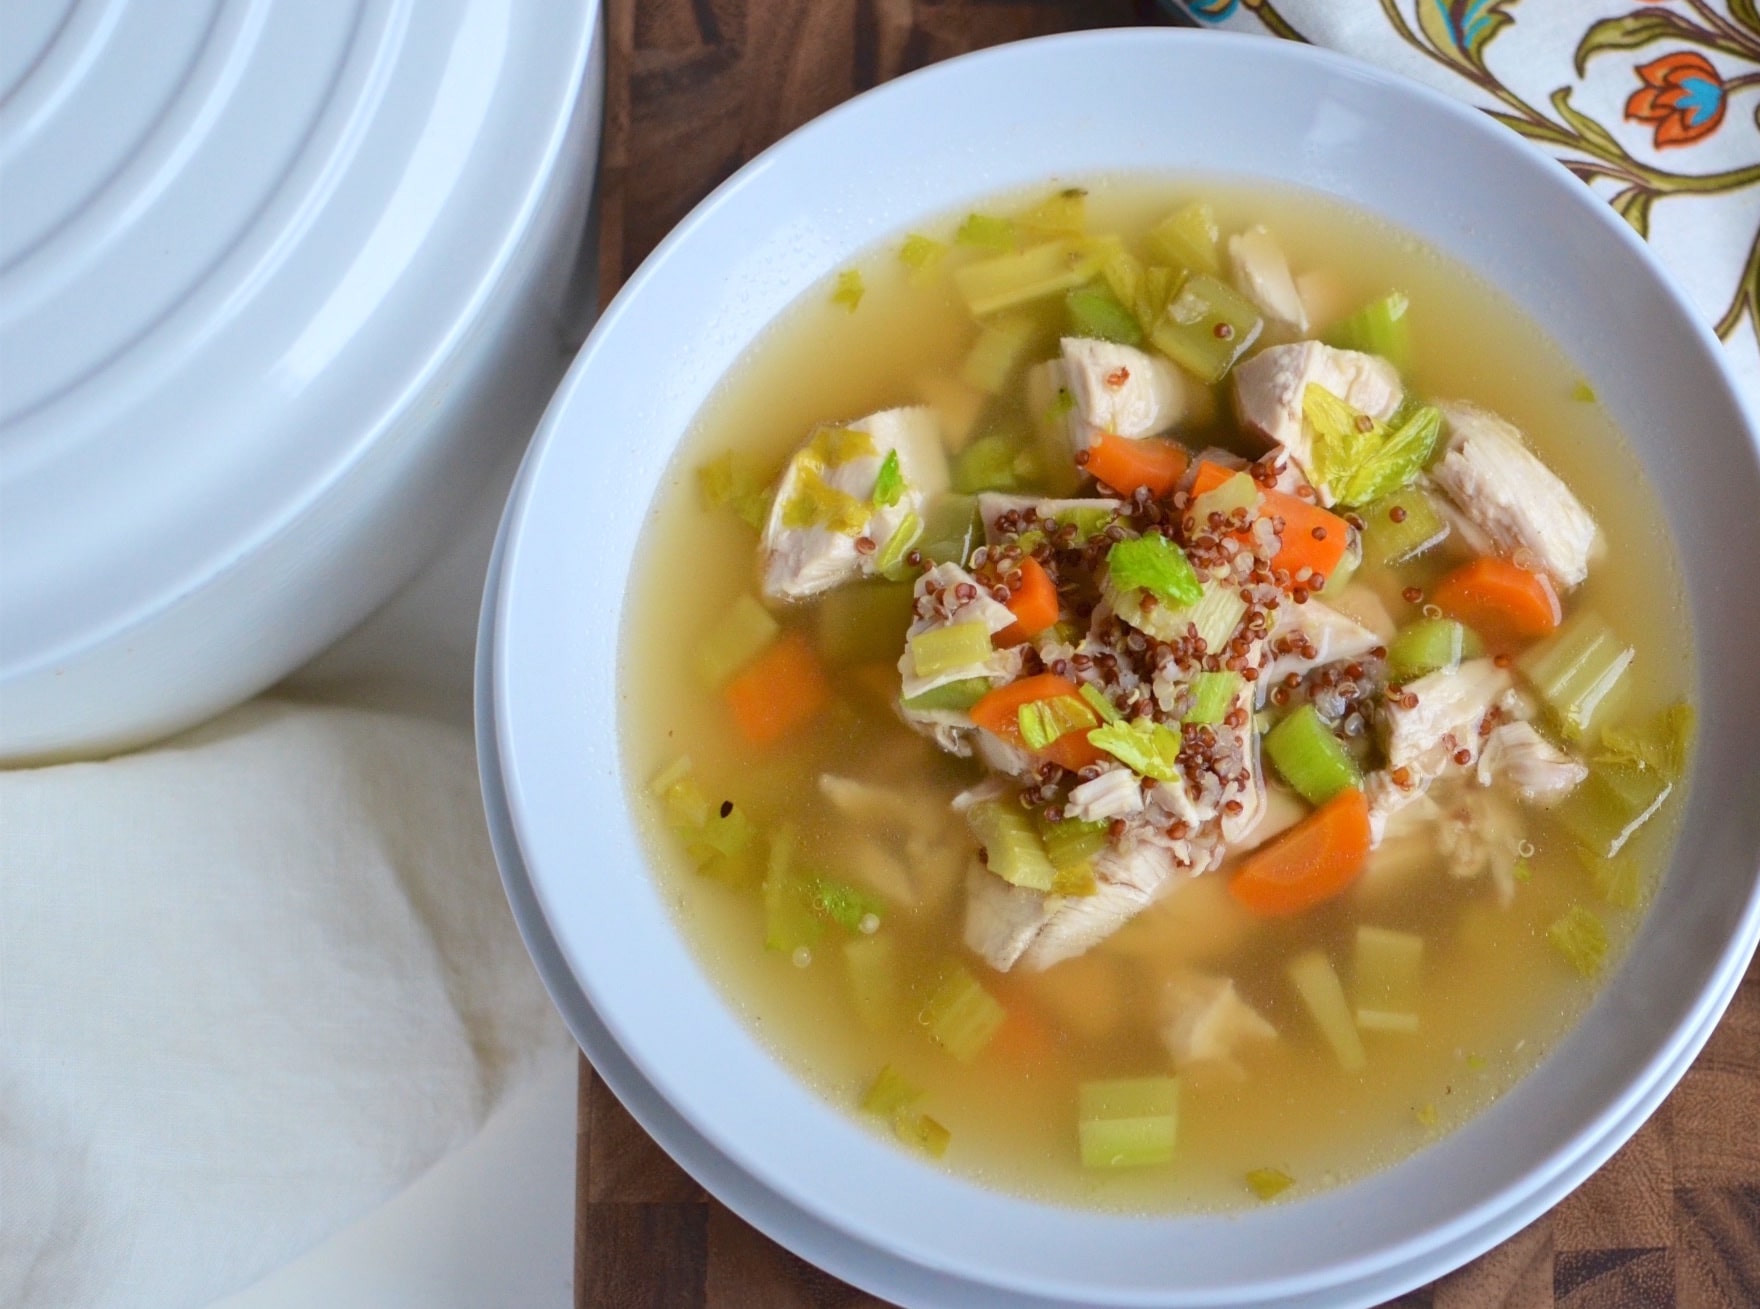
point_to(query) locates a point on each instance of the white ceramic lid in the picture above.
(236, 237)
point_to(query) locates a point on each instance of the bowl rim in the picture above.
(1742, 933)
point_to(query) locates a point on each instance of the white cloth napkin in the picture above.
(1652, 102)
(252, 982)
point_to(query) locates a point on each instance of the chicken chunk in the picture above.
(1520, 503)
(1057, 420)
(1261, 272)
(825, 504)
(1114, 794)
(1541, 773)
(1333, 635)
(1269, 387)
(1120, 389)
(1440, 732)
(952, 597)
(1205, 1022)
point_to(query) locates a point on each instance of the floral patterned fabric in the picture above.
(1656, 106)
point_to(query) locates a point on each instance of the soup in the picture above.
(1157, 696)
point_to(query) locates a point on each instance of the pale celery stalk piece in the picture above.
(1310, 757)
(1207, 327)
(1269, 1183)
(962, 1016)
(1312, 974)
(1421, 528)
(1580, 937)
(1073, 842)
(1239, 491)
(789, 921)
(1216, 615)
(956, 697)
(871, 964)
(1212, 694)
(681, 799)
(1011, 846)
(922, 1132)
(737, 638)
(1429, 645)
(1001, 348)
(992, 285)
(889, 1092)
(943, 650)
(1388, 971)
(1576, 672)
(1188, 238)
(1128, 1122)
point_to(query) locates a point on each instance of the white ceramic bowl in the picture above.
(1115, 102)
(281, 283)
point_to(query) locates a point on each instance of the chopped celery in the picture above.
(1581, 938)
(734, 641)
(1387, 972)
(1378, 328)
(1359, 459)
(1142, 745)
(1314, 979)
(962, 1016)
(1237, 491)
(872, 964)
(1613, 802)
(943, 650)
(1427, 646)
(1153, 563)
(864, 623)
(1583, 393)
(1188, 237)
(951, 529)
(1062, 213)
(681, 799)
(1073, 841)
(1012, 849)
(1001, 348)
(1123, 274)
(790, 923)
(1575, 670)
(1095, 311)
(1310, 758)
(920, 253)
(1128, 1122)
(1077, 880)
(888, 482)
(1157, 287)
(1042, 722)
(1207, 327)
(890, 561)
(955, 696)
(1012, 279)
(986, 231)
(1663, 744)
(1619, 880)
(1346, 568)
(1212, 695)
(1215, 616)
(921, 1131)
(1269, 1183)
(849, 289)
(1398, 528)
(1001, 460)
(889, 1092)
(1098, 702)
(728, 481)
(725, 846)
(845, 905)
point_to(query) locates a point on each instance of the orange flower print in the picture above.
(1682, 95)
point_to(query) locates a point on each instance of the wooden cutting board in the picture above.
(695, 88)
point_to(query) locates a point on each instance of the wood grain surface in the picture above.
(695, 88)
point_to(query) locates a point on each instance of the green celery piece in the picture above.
(1315, 981)
(730, 481)
(1001, 348)
(986, 231)
(790, 923)
(1002, 460)
(1098, 702)
(1619, 880)
(961, 1015)
(681, 799)
(1310, 758)
(1043, 721)
(1582, 939)
(1156, 290)
(725, 847)
(888, 482)
(889, 1092)
(1123, 274)
(944, 650)
(1093, 310)
(954, 696)
(951, 529)
(1389, 544)
(1011, 846)
(1142, 745)
(1269, 1183)
(1188, 238)
(1576, 670)
(1005, 281)
(1072, 842)
(1613, 802)
(921, 1132)
(1378, 328)
(1062, 213)
(1344, 436)
(1153, 563)
(1663, 744)
(737, 638)
(1387, 975)
(920, 253)
(1427, 646)
(1237, 491)
(1088, 520)
(890, 562)
(1128, 1122)
(1212, 696)
(1207, 327)
(872, 965)
(849, 289)
(1405, 451)
(844, 904)
(1216, 615)
(1346, 568)
(1583, 393)
(864, 622)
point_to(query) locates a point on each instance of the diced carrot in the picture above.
(1034, 605)
(999, 714)
(1315, 860)
(1024, 1037)
(779, 691)
(1313, 538)
(1125, 464)
(1505, 604)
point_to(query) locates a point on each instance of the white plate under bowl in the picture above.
(1131, 101)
